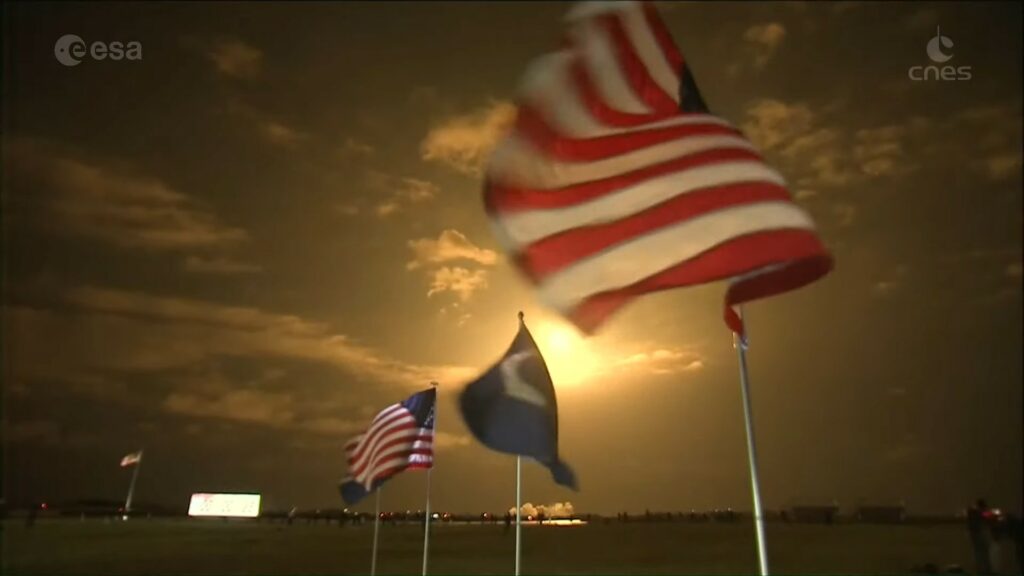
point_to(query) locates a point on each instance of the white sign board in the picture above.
(234, 505)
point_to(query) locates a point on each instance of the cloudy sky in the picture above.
(234, 251)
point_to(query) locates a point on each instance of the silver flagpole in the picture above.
(519, 504)
(376, 530)
(519, 510)
(426, 524)
(131, 488)
(755, 487)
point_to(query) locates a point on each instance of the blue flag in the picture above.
(512, 407)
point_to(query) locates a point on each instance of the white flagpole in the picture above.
(131, 487)
(426, 523)
(519, 510)
(376, 530)
(762, 549)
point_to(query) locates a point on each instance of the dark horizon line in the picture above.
(112, 506)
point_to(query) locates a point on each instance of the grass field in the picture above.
(213, 547)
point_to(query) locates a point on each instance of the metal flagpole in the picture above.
(376, 529)
(426, 523)
(519, 510)
(131, 488)
(762, 550)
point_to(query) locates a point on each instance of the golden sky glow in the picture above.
(571, 359)
(235, 251)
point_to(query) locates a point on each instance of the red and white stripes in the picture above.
(393, 442)
(606, 190)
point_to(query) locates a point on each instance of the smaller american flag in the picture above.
(130, 459)
(399, 438)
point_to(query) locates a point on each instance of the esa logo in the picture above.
(940, 51)
(70, 50)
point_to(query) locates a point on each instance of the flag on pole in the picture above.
(617, 181)
(399, 438)
(512, 407)
(131, 459)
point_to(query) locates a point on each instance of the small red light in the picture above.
(43, 506)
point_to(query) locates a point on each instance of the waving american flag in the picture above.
(617, 180)
(400, 437)
(131, 459)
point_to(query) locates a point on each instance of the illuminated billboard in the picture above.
(234, 505)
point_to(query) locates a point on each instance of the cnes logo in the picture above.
(70, 50)
(940, 51)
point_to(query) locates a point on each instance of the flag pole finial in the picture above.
(520, 316)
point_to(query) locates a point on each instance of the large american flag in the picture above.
(617, 181)
(400, 437)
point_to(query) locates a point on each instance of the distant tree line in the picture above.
(101, 508)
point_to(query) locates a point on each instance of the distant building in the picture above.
(882, 514)
(822, 514)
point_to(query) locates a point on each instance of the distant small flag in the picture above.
(399, 438)
(131, 459)
(512, 408)
(617, 181)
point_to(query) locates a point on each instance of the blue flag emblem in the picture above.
(512, 407)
